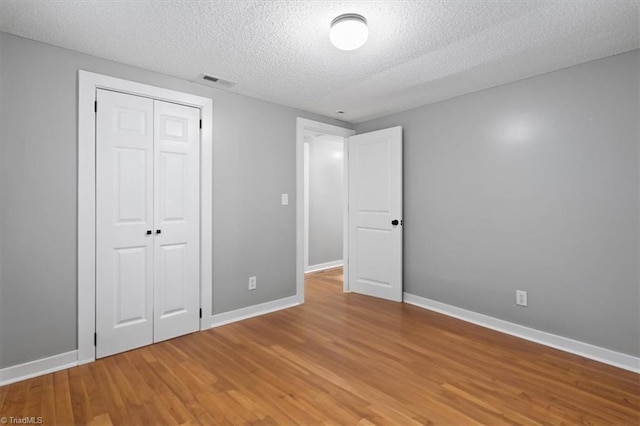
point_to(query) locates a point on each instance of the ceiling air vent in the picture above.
(217, 82)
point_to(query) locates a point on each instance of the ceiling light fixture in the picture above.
(349, 31)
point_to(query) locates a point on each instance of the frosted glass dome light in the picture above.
(349, 31)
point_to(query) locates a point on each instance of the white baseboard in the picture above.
(70, 359)
(66, 360)
(253, 311)
(38, 367)
(586, 350)
(323, 266)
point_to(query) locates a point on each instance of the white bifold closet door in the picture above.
(147, 221)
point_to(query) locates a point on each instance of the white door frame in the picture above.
(305, 171)
(303, 125)
(88, 83)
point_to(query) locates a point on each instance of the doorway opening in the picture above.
(324, 198)
(321, 199)
(372, 213)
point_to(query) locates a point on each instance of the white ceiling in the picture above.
(418, 52)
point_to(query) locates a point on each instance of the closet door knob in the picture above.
(158, 231)
(395, 222)
(148, 231)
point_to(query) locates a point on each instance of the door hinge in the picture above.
(95, 339)
(200, 312)
(95, 106)
(201, 123)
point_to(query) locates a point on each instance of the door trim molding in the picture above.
(305, 170)
(88, 83)
(302, 125)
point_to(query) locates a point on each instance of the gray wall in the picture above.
(254, 162)
(532, 185)
(326, 190)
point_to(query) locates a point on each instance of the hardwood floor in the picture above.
(339, 359)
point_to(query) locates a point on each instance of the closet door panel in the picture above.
(124, 214)
(177, 217)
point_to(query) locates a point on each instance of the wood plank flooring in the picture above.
(340, 359)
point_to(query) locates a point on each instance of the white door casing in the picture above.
(375, 202)
(88, 84)
(124, 213)
(176, 220)
(306, 153)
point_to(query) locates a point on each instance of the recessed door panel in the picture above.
(174, 194)
(374, 245)
(131, 185)
(174, 128)
(172, 280)
(374, 191)
(130, 120)
(130, 301)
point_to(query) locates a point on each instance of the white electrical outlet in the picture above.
(253, 282)
(284, 199)
(521, 298)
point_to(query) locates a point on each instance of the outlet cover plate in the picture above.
(521, 298)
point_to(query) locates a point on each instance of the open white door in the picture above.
(375, 214)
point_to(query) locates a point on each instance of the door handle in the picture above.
(148, 231)
(158, 231)
(395, 222)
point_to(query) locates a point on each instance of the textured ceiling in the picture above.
(418, 52)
